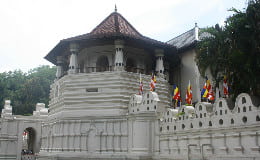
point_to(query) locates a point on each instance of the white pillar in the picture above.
(196, 30)
(59, 72)
(159, 54)
(73, 66)
(119, 56)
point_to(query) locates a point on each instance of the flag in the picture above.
(204, 91)
(207, 91)
(141, 87)
(189, 94)
(153, 83)
(176, 93)
(211, 94)
(225, 86)
(176, 96)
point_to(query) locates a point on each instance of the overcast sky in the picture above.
(31, 28)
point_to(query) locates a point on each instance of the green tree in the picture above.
(26, 89)
(234, 50)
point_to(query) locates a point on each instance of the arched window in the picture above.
(243, 100)
(244, 119)
(220, 104)
(257, 118)
(102, 64)
(232, 121)
(130, 65)
(221, 121)
(244, 109)
(200, 124)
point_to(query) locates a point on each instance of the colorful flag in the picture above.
(176, 96)
(204, 91)
(225, 86)
(141, 87)
(153, 83)
(207, 91)
(189, 94)
(211, 94)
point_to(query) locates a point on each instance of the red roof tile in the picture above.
(115, 25)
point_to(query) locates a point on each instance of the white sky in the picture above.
(31, 28)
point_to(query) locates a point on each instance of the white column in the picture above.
(59, 72)
(119, 56)
(196, 32)
(73, 66)
(159, 54)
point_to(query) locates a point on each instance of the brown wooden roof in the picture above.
(113, 27)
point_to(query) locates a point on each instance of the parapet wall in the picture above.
(213, 131)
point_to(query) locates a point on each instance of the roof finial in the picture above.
(115, 8)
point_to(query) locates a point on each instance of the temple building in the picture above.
(95, 111)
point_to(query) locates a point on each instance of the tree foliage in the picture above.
(26, 89)
(234, 50)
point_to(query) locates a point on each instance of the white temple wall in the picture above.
(229, 136)
(91, 136)
(189, 72)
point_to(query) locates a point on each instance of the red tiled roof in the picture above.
(115, 25)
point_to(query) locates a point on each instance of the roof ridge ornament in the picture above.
(115, 8)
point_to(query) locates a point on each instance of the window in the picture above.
(191, 125)
(220, 104)
(210, 123)
(205, 114)
(232, 121)
(160, 129)
(168, 113)
(225, 111)
(174, 127)
(154, 107)
(243, 100)
(200, 107)
(200, 124)
(148, 108)
(238, 110)
(244, 119)
(168, 128)
(244, 109)
(221, 121)
(220, 112)
(257, 118)
(250, 108)
(183, 126)
(102, 64)
(200, 115)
